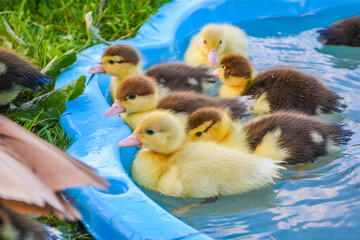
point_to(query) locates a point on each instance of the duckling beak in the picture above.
(130, 141)
(116, 108)
(213, 57)
(97, 69)
(215, 73)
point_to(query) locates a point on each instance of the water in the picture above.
(319, 201)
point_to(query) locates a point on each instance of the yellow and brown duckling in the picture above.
(277, 89)
(215, 41)
(169, 164)
(33, 173)
(285, 136)
(17, 74)
(122, 60)
(139, 94)
(344, 32)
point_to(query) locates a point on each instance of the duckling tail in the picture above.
(344, 134)
(40, 81)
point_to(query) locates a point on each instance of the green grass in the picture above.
(40, 30)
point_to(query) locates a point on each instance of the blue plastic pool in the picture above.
(320, 201)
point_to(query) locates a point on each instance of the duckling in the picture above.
(17, 74)
(277, 89)
(284, 136)
(33, 172)
(138, 94)
(122, 60)
(169, 164)
(344, 32)
(214, 42)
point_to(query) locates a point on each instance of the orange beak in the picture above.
(116, 108)
(97, 69)
(215, 73)
(130, 141)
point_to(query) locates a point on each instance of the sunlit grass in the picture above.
(40, 30)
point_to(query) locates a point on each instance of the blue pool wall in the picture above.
(125, 212)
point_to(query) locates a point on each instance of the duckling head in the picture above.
(208, 124)
(159, 131)
(212, 42)
(234, 70)
(120, 61)
(136, 93)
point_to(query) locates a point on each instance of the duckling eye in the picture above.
(132, 96)
(220, 42)
(222, 66)
(198, 134)
(205, 41)
(150, 132)
(111, 62)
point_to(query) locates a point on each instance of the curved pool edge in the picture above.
(130, 213)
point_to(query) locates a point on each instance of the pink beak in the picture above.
(213, 57)
(97, 69)
(116, 108)
(215, 73)
(130, 141)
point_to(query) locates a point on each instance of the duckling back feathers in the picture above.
(177, 76)
(189, 102)
(344, 32)
(303, 137)
(17, 74)
(288, 89)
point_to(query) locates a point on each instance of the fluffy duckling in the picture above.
(122, 60)
(214, 42)
(33, 173)
(284, 136)
(344, 32)
(138, 94)
(169, 164)
(277, 89)
(17, 74)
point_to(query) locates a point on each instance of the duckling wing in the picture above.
(54, 167)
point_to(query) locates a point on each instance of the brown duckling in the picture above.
(17, 74)
(33, 173)
(344, 32)
(277, 89)
(122, 60)
(285, 136)
(139, 94)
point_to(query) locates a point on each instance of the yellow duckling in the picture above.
(283, 136)
(138, 94)
(169, 164)
(277, 89)
(119, 61)
(214, 42)
(122, 60)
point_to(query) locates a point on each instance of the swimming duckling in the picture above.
(284, 136)
(344, 32)
(17, 74)
(122, 60)
(169, 164)
(214, 42)
(138, 94)
(33, 172)
(277, 89)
